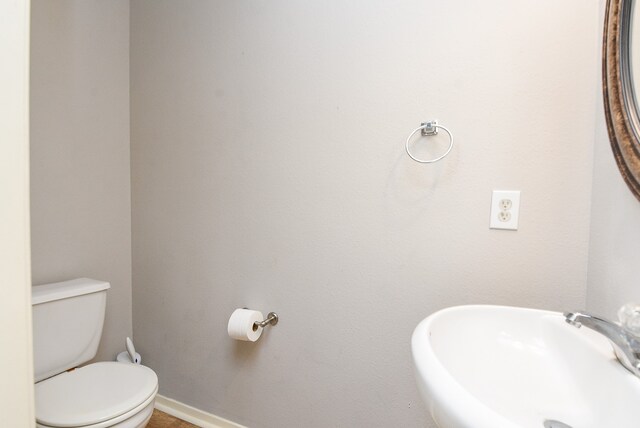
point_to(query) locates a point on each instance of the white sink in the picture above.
(502, 367)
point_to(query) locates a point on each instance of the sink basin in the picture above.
(503, 367)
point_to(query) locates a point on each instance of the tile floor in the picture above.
(162, 420)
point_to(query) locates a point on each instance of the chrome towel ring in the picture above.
(428, 129)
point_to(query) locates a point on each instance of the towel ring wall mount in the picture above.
(428, 129)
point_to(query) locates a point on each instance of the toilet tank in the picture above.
(67, 324)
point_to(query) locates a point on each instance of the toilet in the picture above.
(67, 325)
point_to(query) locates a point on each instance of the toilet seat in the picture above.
(97, 395)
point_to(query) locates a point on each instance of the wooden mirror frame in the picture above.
(620, 106)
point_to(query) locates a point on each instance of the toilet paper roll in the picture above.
(241, 325)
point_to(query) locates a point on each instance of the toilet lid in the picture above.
(93, 393)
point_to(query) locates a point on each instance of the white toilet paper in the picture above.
(241, 325)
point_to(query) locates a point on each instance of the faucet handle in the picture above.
(629, 317)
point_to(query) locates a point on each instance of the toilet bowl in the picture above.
(68, 318)
(106, 394)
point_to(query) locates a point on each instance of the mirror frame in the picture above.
(621, 111)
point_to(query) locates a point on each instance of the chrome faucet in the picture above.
(625, 344)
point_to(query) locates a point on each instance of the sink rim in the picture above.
(447, 383)
(425, 358)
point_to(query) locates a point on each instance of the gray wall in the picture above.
(80, 181)
(268, 171)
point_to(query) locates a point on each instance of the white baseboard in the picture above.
(192, 415)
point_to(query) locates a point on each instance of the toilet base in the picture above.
(139, 420)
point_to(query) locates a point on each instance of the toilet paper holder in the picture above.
(272, 319)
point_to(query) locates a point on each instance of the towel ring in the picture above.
(428, 129)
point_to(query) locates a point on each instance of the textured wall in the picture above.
(80, 181)
(614, 247)
(268, 171)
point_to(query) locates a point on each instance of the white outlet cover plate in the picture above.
(499, 195)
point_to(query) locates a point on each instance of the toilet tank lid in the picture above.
(65, 289)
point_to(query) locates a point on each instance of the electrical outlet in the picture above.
(505, 209)
(504, 216)
(505, 204)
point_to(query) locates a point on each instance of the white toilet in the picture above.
(67, 325)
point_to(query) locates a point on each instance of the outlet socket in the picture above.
(505, 209)
(505, 204)
(504, 216)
